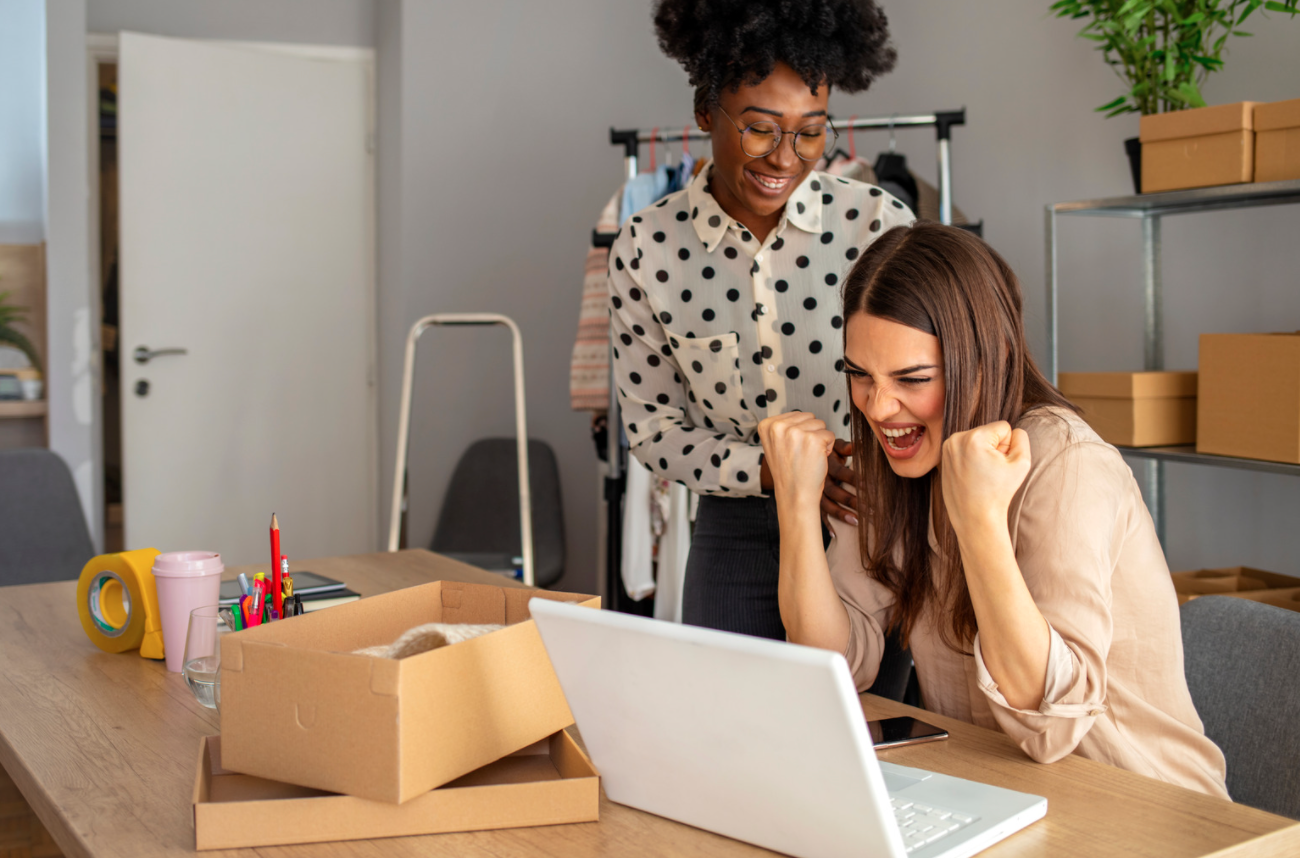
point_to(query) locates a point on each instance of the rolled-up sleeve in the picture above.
(653, 397)
(866, 602)
(1065, 535)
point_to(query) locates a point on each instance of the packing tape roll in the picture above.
(118, 603)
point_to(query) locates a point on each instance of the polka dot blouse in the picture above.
(713, 331)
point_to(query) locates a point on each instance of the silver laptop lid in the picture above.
(759, 740)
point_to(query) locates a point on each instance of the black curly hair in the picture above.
(726, 43)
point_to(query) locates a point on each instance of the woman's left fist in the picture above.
(982, 471)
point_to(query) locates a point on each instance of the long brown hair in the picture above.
(948, 283)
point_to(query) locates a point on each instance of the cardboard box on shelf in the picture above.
(1231, 581)
(1136, 409)
(1248, 403)
(298, 707)
(1198, 148)
(1277, 141)
(550, 783)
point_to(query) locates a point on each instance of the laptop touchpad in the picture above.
(895, 781)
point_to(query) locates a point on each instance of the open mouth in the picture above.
(769, 185)
(902, 442)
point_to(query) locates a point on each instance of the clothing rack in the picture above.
(942, 121)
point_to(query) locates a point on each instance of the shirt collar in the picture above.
(803, 209)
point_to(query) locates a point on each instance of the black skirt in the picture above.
(733, 568)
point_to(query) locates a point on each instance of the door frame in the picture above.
(106, 48)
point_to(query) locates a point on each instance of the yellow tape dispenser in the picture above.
(118, 603)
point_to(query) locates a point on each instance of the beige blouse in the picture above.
(1115, 689)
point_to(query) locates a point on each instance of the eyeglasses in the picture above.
(760, 139)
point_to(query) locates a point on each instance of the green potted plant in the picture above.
(1163, 50)
(10, 315)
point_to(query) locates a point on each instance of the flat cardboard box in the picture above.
(1277, 141)
(1231, 581)
(1136, 409)
(1249, 400)
(297, 706)
(550, 783)
(1198, 148)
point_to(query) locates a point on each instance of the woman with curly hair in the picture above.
(724, 296)
(1005, 542)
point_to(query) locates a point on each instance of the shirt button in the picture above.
(758, 258)
(771, 368)
(1094, 712)
(762, 309)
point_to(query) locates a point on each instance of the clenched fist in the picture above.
(982, 471)
(796, 447)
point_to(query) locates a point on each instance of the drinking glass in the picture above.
(203, 655)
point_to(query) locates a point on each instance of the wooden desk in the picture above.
(103, 748)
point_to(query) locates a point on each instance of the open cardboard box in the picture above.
(1231, 581)
(549, 783)
(1288, 598)
(1136, 409)
(298, 707)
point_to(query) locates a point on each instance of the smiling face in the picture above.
(896, 381)
(754, 190)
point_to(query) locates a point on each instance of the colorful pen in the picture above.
(255, 610)
(243, 583)
(275, 564)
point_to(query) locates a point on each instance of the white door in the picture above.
(247, 239)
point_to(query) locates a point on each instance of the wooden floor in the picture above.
(21, 833)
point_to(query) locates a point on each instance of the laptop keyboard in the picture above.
(922, 824)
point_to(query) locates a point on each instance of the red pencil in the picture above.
(276, 595)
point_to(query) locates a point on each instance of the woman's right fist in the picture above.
(796, 447)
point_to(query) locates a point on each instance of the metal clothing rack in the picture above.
(942, 121)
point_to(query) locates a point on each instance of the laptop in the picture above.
(759, 740)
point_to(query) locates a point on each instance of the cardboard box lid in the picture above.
(550, 783)
(1128, 385)
(1197, 122)
(1277, 114)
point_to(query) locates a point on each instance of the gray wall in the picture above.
(505, 164)
(314, 22)
(22, 138)
(1030, 85)
(73, 365)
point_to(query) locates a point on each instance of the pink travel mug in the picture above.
(186, 580)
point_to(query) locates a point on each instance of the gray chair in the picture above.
(1242, 661)
(43, 533)
(479, 522)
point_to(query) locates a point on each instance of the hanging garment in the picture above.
(589, 363)
(637, 562)
(649, 550)
(927, 195)
(674, 547)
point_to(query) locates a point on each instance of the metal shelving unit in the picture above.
(1151, 209)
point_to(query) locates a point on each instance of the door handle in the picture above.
(143, 355)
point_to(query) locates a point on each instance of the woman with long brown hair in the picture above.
(1004, 540)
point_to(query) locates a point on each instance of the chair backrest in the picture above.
(480, 511)
(43, 533)
(1242, 661)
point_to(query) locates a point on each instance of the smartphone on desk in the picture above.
(896, 732)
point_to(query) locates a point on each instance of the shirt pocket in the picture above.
(711, 367)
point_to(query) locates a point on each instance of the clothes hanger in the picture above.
(891, 166)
